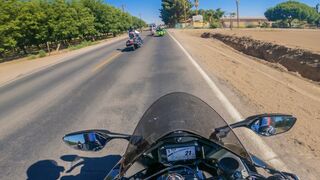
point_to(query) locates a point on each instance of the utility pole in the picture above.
(185, 11)
(232, 15)
(196, 4)
(123, 7)
(238, 19)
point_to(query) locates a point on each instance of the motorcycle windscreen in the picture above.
(174, 112)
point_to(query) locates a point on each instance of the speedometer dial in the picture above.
(183, 153)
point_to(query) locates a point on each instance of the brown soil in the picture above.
(307, 39)
(262, 87)
(306, 63)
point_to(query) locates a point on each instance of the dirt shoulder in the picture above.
(12, 70)
(261, 87)
(299, 61)
(308, 39)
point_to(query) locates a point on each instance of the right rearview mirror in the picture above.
(272, 124)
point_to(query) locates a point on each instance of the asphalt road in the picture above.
(106, 88)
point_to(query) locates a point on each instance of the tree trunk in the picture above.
(48, 47)
(289, 22)
(58, 47)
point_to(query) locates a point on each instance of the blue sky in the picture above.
(149, 9)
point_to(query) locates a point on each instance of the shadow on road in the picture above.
(126, 49)
(90, 168)
(44, 169)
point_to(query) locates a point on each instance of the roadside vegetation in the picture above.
(210, 16)
(290, 14)
(293, 14)
(36, 27)
(173, 12)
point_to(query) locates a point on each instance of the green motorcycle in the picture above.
(160, 32)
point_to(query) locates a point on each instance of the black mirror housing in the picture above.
(267, 124)
(272, 124)
(90, 140)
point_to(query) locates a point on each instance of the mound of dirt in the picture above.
(304, 62)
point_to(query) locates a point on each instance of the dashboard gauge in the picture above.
(181, 153)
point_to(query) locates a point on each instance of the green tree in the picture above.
(9, 29)
(62, 22)
(291, 10)
(32, 23)
(209, 15)
(172, 11)
(85, 20)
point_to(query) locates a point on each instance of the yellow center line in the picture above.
(107, 61)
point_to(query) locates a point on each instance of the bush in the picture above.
(81, 45)
(32, 57)
(215, 24)
(265, 25)
(280, 24)
(251, 26)
(42, 53)
(299, 24)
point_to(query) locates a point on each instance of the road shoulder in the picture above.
(16, 69)
(254, 87)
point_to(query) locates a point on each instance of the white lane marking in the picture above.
(268, 154)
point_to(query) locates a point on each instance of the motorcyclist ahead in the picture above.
(133, 33)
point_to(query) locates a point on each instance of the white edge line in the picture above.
(268, 154)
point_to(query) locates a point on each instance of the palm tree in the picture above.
(196, 4)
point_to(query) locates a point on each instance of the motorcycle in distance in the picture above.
(134, 41)
(160, 31)
(152, 30)
(182, 137)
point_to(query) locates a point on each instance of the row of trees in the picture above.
(292, 11)
(177, 11)
(44, 24)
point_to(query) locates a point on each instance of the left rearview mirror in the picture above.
(92, 140)
(269, 125)
(86, 140)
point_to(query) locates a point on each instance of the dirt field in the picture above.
(262, 87)
(308, 39)
(304, 63)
